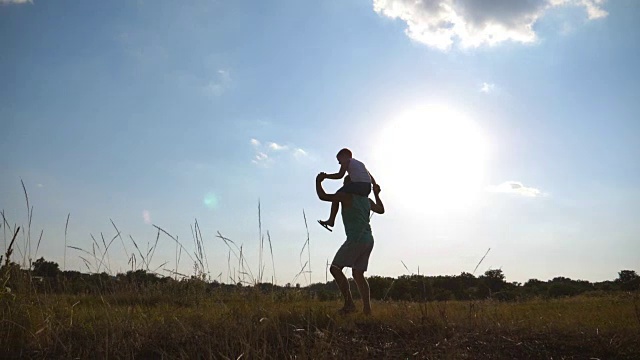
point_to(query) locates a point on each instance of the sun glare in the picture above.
(431, 159)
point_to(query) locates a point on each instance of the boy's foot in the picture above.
(325, 225)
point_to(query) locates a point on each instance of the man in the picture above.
(355, 251)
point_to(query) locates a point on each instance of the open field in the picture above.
(46, 313)
(154, 323)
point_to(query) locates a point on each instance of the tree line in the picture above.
(47, 276)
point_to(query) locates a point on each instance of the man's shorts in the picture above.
(357, 188)
(354, 255)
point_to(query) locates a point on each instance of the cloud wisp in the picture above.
(299, 153)
(516, 188)
(266, 153)
(9, 2)
(277, 147)
(472, 23)
(487, 87)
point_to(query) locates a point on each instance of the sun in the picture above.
(431, 159)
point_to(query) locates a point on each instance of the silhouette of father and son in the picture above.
(353, 196)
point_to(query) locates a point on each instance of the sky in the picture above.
(511, 126)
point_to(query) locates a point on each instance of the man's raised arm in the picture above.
(322, 195)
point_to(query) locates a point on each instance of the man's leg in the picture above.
(332, 217)
(343, 285)
(363, 288)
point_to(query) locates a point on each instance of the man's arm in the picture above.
(377, 206)
(322, 195)
(339, 175)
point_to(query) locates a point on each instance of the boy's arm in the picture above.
(339, 175)
(322, 195)
(377, 206)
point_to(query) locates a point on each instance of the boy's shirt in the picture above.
(358, 172)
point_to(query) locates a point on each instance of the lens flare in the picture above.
(146, 216)
(210, 200)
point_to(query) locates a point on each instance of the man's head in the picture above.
(344, 156)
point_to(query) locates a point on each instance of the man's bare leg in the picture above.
(332, 217)
(343, 285)
(363, 288)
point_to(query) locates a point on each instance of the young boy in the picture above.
(360, 182)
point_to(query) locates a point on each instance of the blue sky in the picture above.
(513, 126)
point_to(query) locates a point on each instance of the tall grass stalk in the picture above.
(260, 243)
(274, 279)
(480, 262)
(27, 234)
(66, 226)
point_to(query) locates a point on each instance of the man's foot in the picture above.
(325, 224)
(347, 309)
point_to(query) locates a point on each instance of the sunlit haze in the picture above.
(434, 159)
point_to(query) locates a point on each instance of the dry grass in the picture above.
(188, 319)
(248, 324)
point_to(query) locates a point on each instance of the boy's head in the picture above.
(344, 155)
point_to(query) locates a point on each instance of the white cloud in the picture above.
(267, 153)
(517, 188)
(146, 216)
(473, 23)
(594, 8)
(299, 153)
(40, 185)
(16, 2)
(262, 159)
(487, 87)
(277, 147)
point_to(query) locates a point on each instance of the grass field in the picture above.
(154, 323)
(189, 318)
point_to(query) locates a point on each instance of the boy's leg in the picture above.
(335, 205)
(343, 285)
(363, 288)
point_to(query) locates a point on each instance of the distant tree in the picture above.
(427, 289)
(562, 289)
(141, 277)
(402, 289)
(44, 268)
(628, 280)
(494, 274)
(605, 285)
(533, 283)
(467, 279)
(493, 281)
(627, 275)
(535, 287)
(379, 286)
